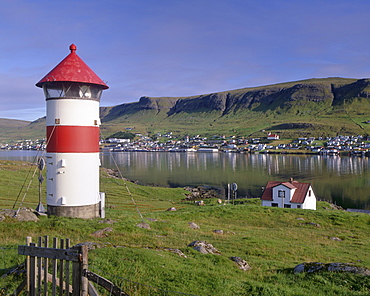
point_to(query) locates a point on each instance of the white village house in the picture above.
(272, 136)
(292, 194)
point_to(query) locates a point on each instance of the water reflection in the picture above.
(339, 179)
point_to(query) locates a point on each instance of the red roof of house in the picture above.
(267, 193)
(299, 194)
(73, 69)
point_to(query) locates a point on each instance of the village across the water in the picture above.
(339, 145)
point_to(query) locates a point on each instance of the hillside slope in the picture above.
(317, 107)
(313, 107)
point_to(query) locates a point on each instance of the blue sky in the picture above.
(178, 48)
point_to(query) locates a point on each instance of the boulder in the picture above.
(107, 221)
(204, 247)
(176, 251)
(102, 232)
(143, 225)
(23, 214)
(199, 202)
(336, 267)
(243, 265)
(192, 225)
(218, 231)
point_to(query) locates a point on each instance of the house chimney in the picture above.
(291, 180)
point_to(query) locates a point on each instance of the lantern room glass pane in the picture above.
(72, 90)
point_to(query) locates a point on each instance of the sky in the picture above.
(175, 48)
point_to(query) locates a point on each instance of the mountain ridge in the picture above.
(317, 106)
(330, 104)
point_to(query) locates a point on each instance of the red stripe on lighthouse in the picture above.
(72, 139)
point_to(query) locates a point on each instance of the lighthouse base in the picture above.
(84, 212)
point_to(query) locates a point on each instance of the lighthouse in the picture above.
(72, 92)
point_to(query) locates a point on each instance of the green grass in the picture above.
(271, 240)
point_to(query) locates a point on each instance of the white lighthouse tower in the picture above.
(72, 91)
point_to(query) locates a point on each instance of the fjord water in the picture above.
(344, 181)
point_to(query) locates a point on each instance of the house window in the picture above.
(309, 192)
(287, 206)
(281, 193)
(275, 205)
(298, 206)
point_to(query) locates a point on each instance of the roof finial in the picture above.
(72, 48)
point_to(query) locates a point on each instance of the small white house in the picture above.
(272, 136)
(292, 194)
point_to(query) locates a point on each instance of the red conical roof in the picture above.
(74, 69)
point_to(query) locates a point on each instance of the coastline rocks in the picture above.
(204, 247)
(201, 193)
(336, 267)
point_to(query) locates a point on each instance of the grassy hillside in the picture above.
(313, 107)
(11, 129)
(271, 240)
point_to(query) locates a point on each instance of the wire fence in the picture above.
(11, 266)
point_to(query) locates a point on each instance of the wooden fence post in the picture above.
(28, 242)
(84, 266)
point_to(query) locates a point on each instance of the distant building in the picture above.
(292, 194)
(117, 140)
(272, 136)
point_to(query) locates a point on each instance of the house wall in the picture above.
(279, 201)
(288, 193)
(310, 201)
